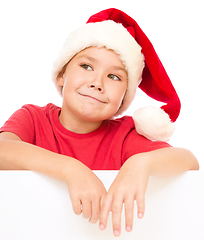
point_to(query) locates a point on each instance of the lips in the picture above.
(94, 98)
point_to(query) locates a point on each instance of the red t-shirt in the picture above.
(106, 148)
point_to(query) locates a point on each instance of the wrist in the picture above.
(73, 168)
(68, 168)
(140, 162)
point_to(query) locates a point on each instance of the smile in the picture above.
(88, 96)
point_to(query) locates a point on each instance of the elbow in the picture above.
(194, 164)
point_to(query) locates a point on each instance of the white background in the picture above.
(32, 34)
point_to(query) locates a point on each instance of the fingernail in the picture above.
(116, 233)
(128, 229)
(101, 226)
(140, 215)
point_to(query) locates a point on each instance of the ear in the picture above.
(61, 76)
(60, 80)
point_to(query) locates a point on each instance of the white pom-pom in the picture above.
(153, 123)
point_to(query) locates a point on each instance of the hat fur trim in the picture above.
(153, 123)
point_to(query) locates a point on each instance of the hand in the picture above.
(86, 192)
(129, 185)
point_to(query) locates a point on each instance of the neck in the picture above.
(77, 125)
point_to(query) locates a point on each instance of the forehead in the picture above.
(97, 54)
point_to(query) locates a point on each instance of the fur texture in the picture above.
(153, 123)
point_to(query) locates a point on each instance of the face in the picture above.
(94, 84)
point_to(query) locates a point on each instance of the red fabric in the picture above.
(107, 148)
(155, 81)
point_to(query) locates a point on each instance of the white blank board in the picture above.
(36, 207)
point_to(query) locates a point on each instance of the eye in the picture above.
(86, 67)
(114, 77)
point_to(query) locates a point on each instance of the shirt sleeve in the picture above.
(135, 144)
(21, 124)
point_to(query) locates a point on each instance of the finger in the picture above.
(117, 207)
(140, 199)
(129, 212)
(76, 205)
(95, 211)
(86, 208)
(106, 205)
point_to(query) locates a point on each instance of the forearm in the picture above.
(167, 162)
(85, 189)
(18, 155)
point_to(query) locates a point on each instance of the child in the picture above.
(97, 73)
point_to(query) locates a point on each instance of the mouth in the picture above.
(88, 96)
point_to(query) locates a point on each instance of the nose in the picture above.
(93, 86)
(97, 84)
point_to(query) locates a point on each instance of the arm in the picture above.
(84, 187)
(132, 179)
(171, 161)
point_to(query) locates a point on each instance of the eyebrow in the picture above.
(117, 68)
(88, 57)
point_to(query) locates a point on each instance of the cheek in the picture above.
(70, 84)
(117, 95)
(67, 91)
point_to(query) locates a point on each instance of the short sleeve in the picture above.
(21, 124)
(135, 144)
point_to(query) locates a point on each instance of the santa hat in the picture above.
(116, 30)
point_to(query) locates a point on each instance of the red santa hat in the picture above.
(117, 31)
